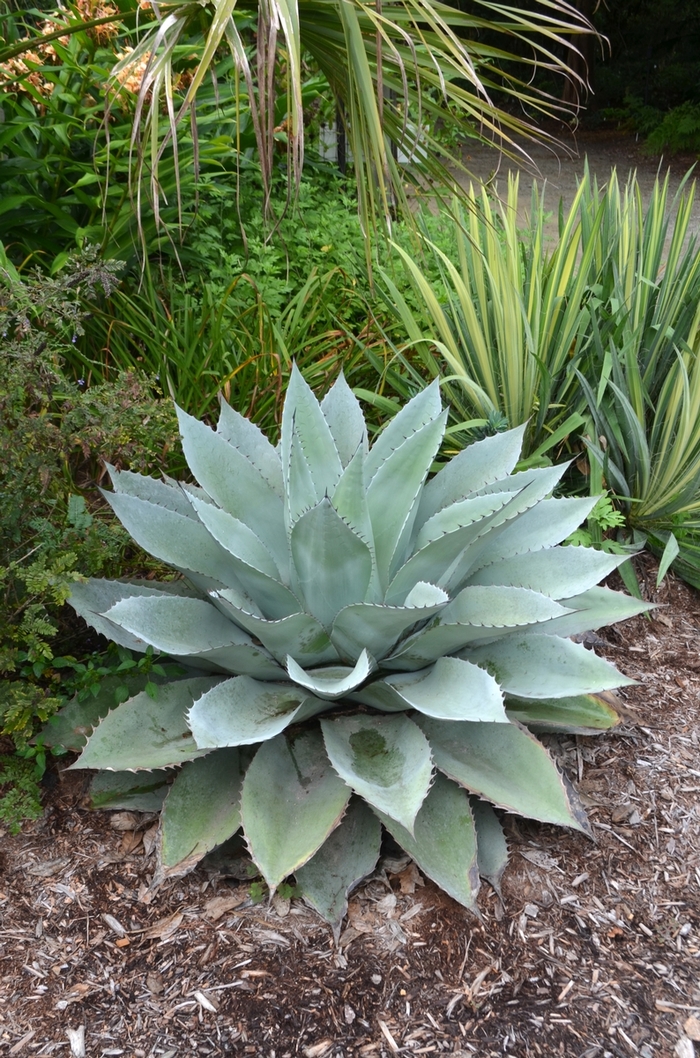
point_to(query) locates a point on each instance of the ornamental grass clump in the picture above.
(375, 647)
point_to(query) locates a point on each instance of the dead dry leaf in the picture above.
(130, 842)
(387, 904)
(361, 923)
(217, 906)
(691, 1027)
(410, 879)
(81, 989)
(164, 928)
(124, 821)
(621, 812)
(150, 838)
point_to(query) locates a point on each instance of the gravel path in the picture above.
(560, 171)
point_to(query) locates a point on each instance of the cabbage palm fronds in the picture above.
(389, 66)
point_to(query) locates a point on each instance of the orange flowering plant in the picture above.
(68, 91)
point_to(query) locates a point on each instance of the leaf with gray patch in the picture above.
(385, 759)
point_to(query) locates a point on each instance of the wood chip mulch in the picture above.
(594, 952)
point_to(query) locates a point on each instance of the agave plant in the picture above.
(375, 647)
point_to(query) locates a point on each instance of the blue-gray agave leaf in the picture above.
(347, 856)
(201, 811)
(443, 841)
(341, 410)
(332, 564)
(386, 760)
(163, 493)
(251, 442)
(451, 689)
(292, 799)
(474, 468)
(234, 483)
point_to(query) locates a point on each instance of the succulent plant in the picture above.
(375, 646)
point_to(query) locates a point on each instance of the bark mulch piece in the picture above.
(594, 951)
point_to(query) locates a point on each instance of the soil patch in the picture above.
(593, 952)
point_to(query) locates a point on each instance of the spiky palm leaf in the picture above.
(366, 636)
(390, 65)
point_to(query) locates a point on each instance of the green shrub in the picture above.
(675, 130)
(353, 626)
(20, 795)
(54, 434)
(68, 175)
(678, 131)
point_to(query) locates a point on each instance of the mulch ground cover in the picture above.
(592, 952)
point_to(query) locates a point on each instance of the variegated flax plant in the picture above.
(372, 648)
(507, 322)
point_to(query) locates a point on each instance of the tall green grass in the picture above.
(200, 346)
